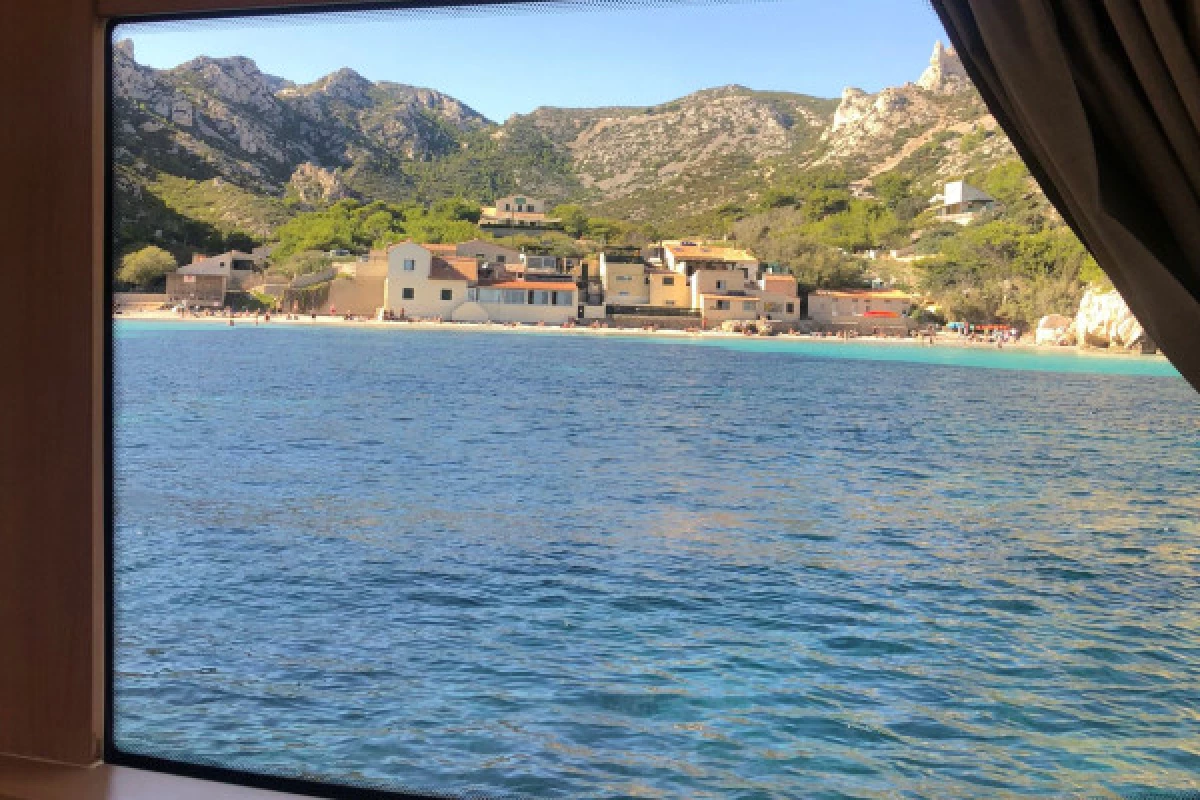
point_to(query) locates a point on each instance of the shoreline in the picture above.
(325, 320)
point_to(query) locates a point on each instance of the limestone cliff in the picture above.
(1104, 320)
(945, 73)
(916, 123)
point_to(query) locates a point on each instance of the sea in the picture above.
(494, 564)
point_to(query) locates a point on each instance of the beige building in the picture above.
(239, 269)
(722, 294)
(625, 284)
(780, 296)
(420, 284)
(623, 276)
(828, 306)
(668, 289)
(688, 256)
(517, 214)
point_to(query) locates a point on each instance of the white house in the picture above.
(960, 202)
(420, 284)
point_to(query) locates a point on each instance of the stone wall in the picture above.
(358, 295)
(642, 320)
(143, 300)
(867, 326)
(311, 298)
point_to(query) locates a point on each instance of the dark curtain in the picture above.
(1102, 100)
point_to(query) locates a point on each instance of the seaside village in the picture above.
(679, 284)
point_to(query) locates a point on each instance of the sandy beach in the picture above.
(944, 339)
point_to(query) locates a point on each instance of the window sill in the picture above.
(23, 779)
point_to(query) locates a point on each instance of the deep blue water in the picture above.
(572, 566)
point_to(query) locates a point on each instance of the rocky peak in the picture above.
(235, 80)
(945, 73)
(854, 106)
(345, 86)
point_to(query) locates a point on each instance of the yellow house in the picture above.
(623, 274)
(625, 284)
(668, 289)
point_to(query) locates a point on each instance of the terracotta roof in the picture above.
(442, 249)
(442, 270)
(464, 265)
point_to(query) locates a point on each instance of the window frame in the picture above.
(106, 16)
(57, 556)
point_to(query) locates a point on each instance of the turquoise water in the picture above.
(575, 566)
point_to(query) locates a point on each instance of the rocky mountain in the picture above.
(269, 145)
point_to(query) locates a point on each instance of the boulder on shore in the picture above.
(1105, 321)
(1055, 329)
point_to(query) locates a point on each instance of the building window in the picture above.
(410, 264)
(748, 305)
(720, 284)
(407, 293)
(791, 308)
(500, 258)
(624, 277)
(669, 303)
(507, 207)
(447, 294)
(668, 280)
(721, 305)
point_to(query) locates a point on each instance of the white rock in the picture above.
(1104, 320)
(1055, 329)
(945, 73)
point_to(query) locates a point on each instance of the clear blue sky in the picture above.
(512, 60)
